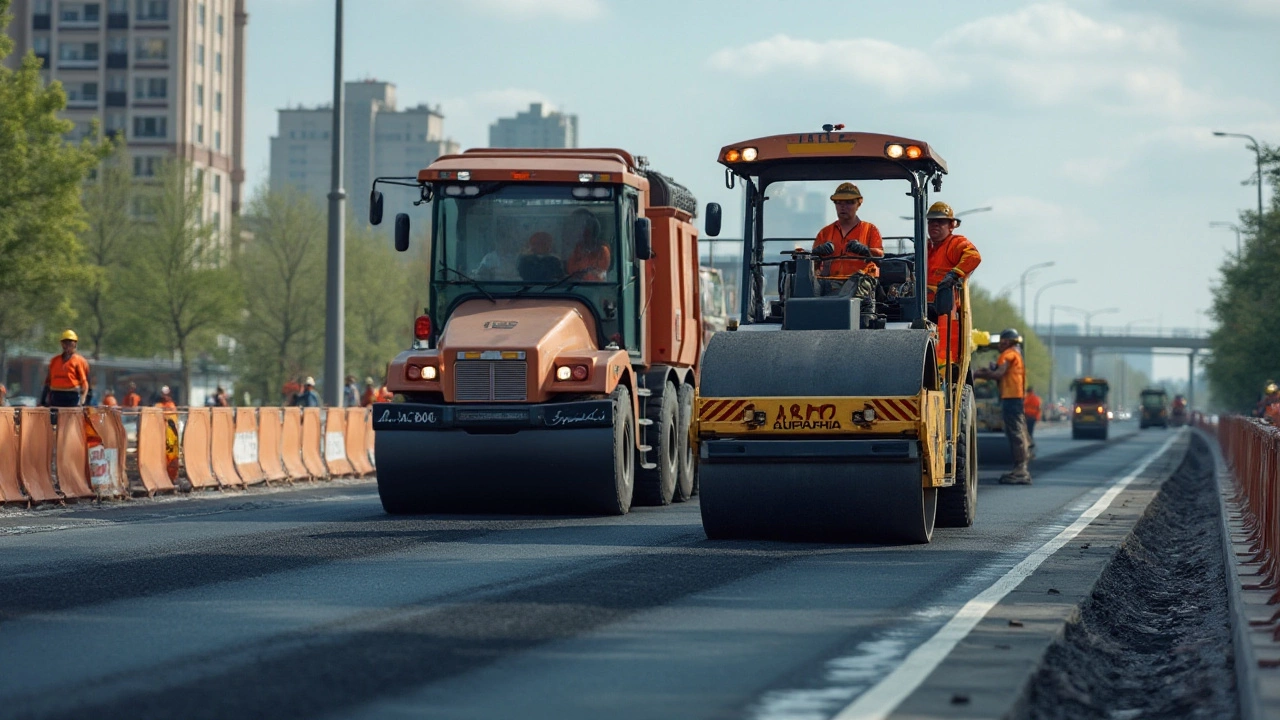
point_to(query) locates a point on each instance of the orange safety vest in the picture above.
(110, 401)
(1031, 406)
(1015, 378)
(69, 374)
(132, 400)
(167, 403)
(955, 252)
(842, 265)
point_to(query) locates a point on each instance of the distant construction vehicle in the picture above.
(1090, 416)
(554, 369)
(986, 392)
(1153, 406)
(825, 417)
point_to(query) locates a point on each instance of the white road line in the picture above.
(888, 694)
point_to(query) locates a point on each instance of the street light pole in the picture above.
(1035, 320)
(1257, 151)
(1022, 307)
(1230, 226)
(335, 305)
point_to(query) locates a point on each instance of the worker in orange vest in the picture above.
(952, 260)
(67, 384)
(370, 394)
(166, 400)
(1031, 408)
(109, 398)
(844, 243)
(132, 399)
(1011, 372)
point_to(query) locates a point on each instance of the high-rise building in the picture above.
(168, 75)
(539, 127)
(380, 140)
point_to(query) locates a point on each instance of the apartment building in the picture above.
(168, 75)
(538, 127)
(380, 139)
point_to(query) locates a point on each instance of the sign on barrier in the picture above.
(245, 448)
(335, 447)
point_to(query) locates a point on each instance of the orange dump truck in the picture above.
(554, 370)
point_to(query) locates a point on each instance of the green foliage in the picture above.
(181, 287)
(381, 302)
(994, 314)
(40, 212)
(281, 273)
(104, 303)
(1246, 306)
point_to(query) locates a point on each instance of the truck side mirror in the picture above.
(713, 219)
(402, 231)
(644, 239)
(375, 207)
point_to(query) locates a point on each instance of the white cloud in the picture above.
(896, 70)
(576, 10)
(1053, 29)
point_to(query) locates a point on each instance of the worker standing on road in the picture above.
(844, 243)
(1011, 372)
(109, 398)
(952, 260)
(308, 397)
(370, 394)
(1270, 399)
(166, 400)
(1031, 408)
(351, 393)
(67, 384)
(132, 399)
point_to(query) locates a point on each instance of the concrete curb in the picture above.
(1244, 641)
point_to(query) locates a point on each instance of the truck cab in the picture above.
(1154, 407)
(1090, 417)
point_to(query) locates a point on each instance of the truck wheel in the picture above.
(687, 472)
(657, 486)
(958, 504)
(612, 493)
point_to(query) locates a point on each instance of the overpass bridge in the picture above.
(1191, 343)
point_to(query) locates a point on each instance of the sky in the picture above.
(1086, 127)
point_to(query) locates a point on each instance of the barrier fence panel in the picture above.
(291, 444)
(245, 447)
(106, 447)
(369, 439)
(10, 486)
(269, 428)
(72, 454)
(335, 442)
(195, 449)
(221, 450)
(357, 455)
(116, 419)
(312, 443)
(1252, 452)
(153, 462)
(35, 448)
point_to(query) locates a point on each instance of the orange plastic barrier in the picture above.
(117, 421)
(244, 448)
(195, 449)
(312, 443)
(72, 454)
(222, 447)
(291, 444)
(357, 453)
(10, 486)
(35, 450)
(269, 445)
(369, 439)
(335, 442)
(104, 457)
(153, 463)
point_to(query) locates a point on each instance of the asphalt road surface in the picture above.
(311, 602)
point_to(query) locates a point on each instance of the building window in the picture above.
(217, 140)
(200, 55)
(154, 88)
(153, 10)
(199, 179)
(115, 123)
(117, 44)
(152, 49)
(217, 101)
(41, 7)
(217, 219)
(40, 44)
(117, 6)
(78, 52)
(199, 134)
(146, 166)
(117, 83)
(82, 92)
(199, 94)
(151, 127)
(80, 13)
(219, 23)
(217, 184)
(200, 14)
(217, 61)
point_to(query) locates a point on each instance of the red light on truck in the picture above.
(413, 372)
(579, 372)
(422, 327)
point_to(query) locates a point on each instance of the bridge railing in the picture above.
(1138, 332)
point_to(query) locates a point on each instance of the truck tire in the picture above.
(612, 495)
(657, 486)
(687, 472)
(958, 504)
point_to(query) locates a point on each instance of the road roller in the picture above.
(836, 412)
(554, 369)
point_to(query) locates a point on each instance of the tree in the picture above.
(380, 302)
(181, 287)
(281, 270)
(106, 241)
(40, 212)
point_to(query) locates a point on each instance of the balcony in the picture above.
(117, 98)
(41, 22)
(118, 60)
(118, 21)
(82, 103)
(78, 63)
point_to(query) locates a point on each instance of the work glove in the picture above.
(856, 248)
(824, 249)
(951, 280)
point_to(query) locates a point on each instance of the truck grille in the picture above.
(490, 380)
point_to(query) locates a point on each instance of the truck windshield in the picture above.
(1155, 401)
(1091, 393)
(526, 234)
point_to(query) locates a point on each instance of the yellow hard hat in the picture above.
(70, 335)
(846, 191)
(1272, 388)
(941, 211)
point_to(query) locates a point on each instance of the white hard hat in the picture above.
(309, 381)
(164, 389)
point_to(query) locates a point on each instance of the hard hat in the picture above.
(309, 381)
(1272, 388)
(69, 335)
(368, 381)
(941, 211)
(164, 389)
(1009, 333)
(846, 191)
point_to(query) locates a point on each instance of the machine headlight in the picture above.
(429, 372)
(749, 154)
(894, 151)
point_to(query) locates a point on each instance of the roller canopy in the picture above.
(815, 363)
